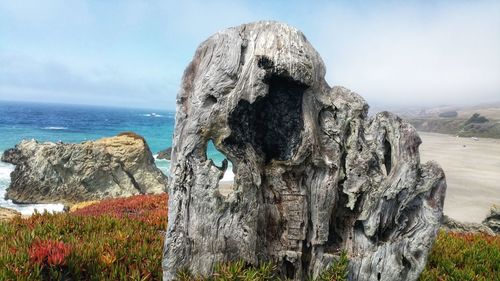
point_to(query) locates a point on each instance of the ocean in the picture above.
(76, 123)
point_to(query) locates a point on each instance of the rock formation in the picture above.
(451, 225)
(11, 156)
(314, 175)
(58, 172)
(165, 154)
(493, 219)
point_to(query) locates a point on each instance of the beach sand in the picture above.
(225, 187)
(472, 169)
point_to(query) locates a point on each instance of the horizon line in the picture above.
(87, 105)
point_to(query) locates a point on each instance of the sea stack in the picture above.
(314, 175)
(165, 154)
(67, 173)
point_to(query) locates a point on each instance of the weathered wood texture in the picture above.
(313, 174)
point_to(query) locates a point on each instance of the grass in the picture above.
(122, 239)
(464, 257)
(132, 135)
(239, 271)
(236, 271)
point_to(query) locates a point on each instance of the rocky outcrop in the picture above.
(93, 170)
(449, 224)
(165, 154)
(7, 214)
(490, 225)
(314, 175)
(493, 219)
(12, 156)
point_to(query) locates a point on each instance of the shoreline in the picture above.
(24, 209)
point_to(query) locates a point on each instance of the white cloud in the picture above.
(413, 55)
(392, 52)
(25, 78)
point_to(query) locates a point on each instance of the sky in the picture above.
(133, 53)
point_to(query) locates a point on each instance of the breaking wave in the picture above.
(55, 128)
(25, 209)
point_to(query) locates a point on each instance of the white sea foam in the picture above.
(5, 170)
(228, 175)
(152, 115)
(29, 209)
(25, 209)
(162, 164)
(55, 128)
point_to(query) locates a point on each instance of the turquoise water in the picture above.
(72, 123)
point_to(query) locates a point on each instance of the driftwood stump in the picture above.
(314, 175)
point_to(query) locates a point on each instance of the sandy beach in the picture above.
(472, 169)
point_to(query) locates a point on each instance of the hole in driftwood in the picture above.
(289, 269)
(265, 63)
(210, 100)
(387, 156)
(406, 262)
(273, 123)
(226, 182)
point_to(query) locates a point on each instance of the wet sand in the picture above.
(472, 169)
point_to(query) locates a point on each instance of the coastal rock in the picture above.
(8, 214)
(449, 224)
(314, 175)
(93, 170)
(12, 156)
(165, 154)
(493, 219)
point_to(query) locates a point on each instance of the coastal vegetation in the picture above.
(449, 114)
(463, 256)
(117, 239)
(122, 239)
(484, 123)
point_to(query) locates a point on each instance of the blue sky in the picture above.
(133, 53)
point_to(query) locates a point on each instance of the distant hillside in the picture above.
(465, 121)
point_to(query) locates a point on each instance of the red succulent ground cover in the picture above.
(151, 209)
(48, 253)
(116, 239)
(122, 239)
(464, 256)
